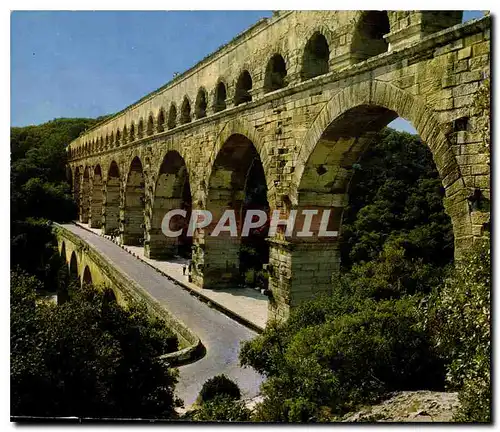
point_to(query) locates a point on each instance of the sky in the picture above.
(88, 64)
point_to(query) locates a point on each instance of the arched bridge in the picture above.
(286, 108)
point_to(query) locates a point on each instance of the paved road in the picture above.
(220, 335)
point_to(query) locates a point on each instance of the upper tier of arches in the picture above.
(254, 65)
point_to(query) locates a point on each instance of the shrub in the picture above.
(335, 356)
(219, 385)
(87, 357)
(460, 321)
(222, 408)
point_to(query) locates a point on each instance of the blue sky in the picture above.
(87, 64)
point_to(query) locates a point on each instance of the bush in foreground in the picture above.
(339, 352)
(461, 319)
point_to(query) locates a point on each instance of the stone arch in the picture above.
(87, 276)
(117, 138)
(243, 127)
(111, 213)
(380, 103)
(172, 116)
(275, 75)
(316, 57)
(237, 182)
(160, 124)
(95, 219)
(133, 218)
(85, 196)
(73, 267)
(220, 97)
(140, 129)
(201, 103)
(243, 88)
(368, 38)
(63, 252)
(76, 189)
(185, 111)
(112, 140)
(131, 134)
(151, 125)
(125, 135)
(171, 191)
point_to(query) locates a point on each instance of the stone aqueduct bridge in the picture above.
(300, 95)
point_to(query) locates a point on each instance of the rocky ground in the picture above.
(409, 406)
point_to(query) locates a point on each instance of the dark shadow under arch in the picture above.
(275, 77)
(315, 60)
(172, 191)
(368, 40)
(112, 200)
(134, 204)
(237, 182)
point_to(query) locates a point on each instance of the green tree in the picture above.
(88, 357)
(338, 352)
(461, 322)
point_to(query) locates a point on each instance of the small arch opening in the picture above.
(316, 57)
(243, 87)
(161, 121)
(172, 117)
(201, 104)
(275, 77)
(140, 129)
(151, 125)
(368, 40)
(185, 111)
(87, 276)
(220, 97)
(125, 135)
(132, 133)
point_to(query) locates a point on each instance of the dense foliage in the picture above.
(396, 237)
(461, 322)
(40, 193)
(338, 352)
(219, 385)
(87, 357)
(219, 400)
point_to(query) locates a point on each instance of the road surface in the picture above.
(220, 335)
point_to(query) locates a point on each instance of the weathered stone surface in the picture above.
(302, 92)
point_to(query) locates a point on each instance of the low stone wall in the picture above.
(129, 291)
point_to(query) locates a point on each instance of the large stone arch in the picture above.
(422, 117)
(85, 195)
(95, 218)
(244, 128)
(171, 189)
(335, 141)
(132, 214)
(236, 175)
(111, 203)
(77, 185)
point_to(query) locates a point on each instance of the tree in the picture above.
(88, 357)
(461, 322)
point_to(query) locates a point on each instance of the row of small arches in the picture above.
(315, 62)
(275, 79)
